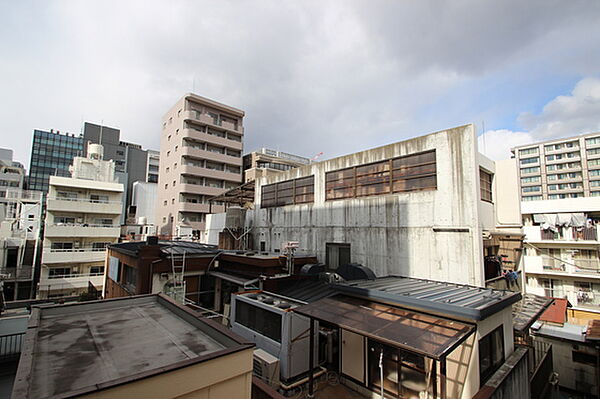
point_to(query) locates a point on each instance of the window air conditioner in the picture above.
(266, 367)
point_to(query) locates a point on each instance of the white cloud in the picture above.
(564, 116)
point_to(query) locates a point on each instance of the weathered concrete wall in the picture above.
(428, 234)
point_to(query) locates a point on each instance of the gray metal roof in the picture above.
(437, 297)
(528, 310)
(307, 291)
(75, 349)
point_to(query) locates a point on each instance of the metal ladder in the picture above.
(178, 270)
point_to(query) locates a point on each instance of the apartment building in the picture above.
(200, 156)
(82, 218)
(559, 169)
(561, 250)
(51, 155)
(265, 162)
(152, 166)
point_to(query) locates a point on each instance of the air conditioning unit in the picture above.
(266, 367)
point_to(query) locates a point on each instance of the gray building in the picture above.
(132, 163)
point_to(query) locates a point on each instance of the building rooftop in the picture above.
(557, 140)
(573, 332)
(437, 297)
(557, 312)
(528, 310)
(169, 247)
(70, 350)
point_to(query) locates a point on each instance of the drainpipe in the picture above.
(311, 360)
(381, 371)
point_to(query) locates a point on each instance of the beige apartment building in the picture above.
(266, 162)
(200, 157)
(559, 169)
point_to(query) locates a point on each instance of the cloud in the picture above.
(564, 116)
(335, 77)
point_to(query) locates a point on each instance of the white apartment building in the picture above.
(561, 250)
(559, 169)
(82, 218)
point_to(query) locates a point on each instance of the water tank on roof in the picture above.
(235, 217)
(95, 151)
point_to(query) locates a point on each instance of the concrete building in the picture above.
(561, 250)
(132, 163)
(143, 202)
(428, 207)
(200, 156)
(82, 218)
(559, 169)
(51, 155)
(266, 162)
(140, 347)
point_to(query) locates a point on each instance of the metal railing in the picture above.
(68, 250)
(562, 233)
(10, 347)
(67, 276)
(93, 201)
(83, 225)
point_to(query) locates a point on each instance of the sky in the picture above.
(333, 77)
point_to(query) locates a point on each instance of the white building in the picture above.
(82, 218)
(561, 250)
(429, 207)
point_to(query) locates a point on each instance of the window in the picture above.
(119, 152)
(592, 141)
(258, 319)
(169, 137)
(167, 169)
(491, 354)
(485, 182)
(527, 161)
(533, 179)
(174, 183)
(535, 169)
(580, 356)
(164, 219)
(594, 162)
(129, 278)
(172, 200)
(58, 272)
(531, 189)
(407, 173)
(532, 198)
(528, 151)
(297, 191)
(99, 199)
(166, 186)
(168, 153)
(165, 203)
(97, 270)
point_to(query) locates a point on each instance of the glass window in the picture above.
(528, 151)
(531, 189)
(532, 198)
(485, 182)
(533, 179)
(535, 169)
(526, 161)
(491, 354)
(297, 191)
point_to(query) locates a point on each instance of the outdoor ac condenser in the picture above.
(266, 367)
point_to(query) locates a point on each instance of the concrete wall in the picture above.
(224, 377)
(428, 234)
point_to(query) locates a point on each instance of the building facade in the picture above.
(51, 155)
(200, 156)
(560, 169)
(561, 250)
(82, 218)
(153, 166)
(265, 162)
(428, 207)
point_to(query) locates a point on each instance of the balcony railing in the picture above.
(575, 234)
(69, 250)
(111, 226)
(87, 200)
(10, 347)
(67, 276)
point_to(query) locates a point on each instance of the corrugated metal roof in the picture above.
(557, 312)
(167, 248)
(528, 310)
(307, 291)
(442, 298)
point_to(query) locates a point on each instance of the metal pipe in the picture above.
(311, 360)
(381, 371)
(443, 378)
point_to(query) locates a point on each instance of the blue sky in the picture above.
(333, 77)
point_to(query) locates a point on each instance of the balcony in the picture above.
(225, 142)
(193, 207)
(211, 156)
(82, 230)
(212, 173)
(200, 189)
(76, 255)
(205, 119)
(71, 281)
(586, 235)
(85, 206)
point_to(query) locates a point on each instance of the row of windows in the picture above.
(532, 198)
(407, 173)
(528, 151)
(565, 195)
(531, 189)
(567, 155)
(559, 146)
(533, 179)
(296, 191)
(200, 145)
(563, 176)
(564, 186)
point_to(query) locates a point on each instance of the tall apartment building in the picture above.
(558, 169)
(82, 218)
(266, 162)
(153, 166)
(51, 155)
(20, 221)
(200, 156)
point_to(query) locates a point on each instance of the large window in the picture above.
(491, 354)
(407, 173)
(289, 192)
(485, 183)
(258, 319)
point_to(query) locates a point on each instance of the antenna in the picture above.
(101, 125)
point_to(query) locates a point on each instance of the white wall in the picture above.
(429, 234)
(144, 199)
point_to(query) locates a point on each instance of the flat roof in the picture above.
(420, 333)
(75, 349)
(177, 248)
(557, 140)
(445, 299)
